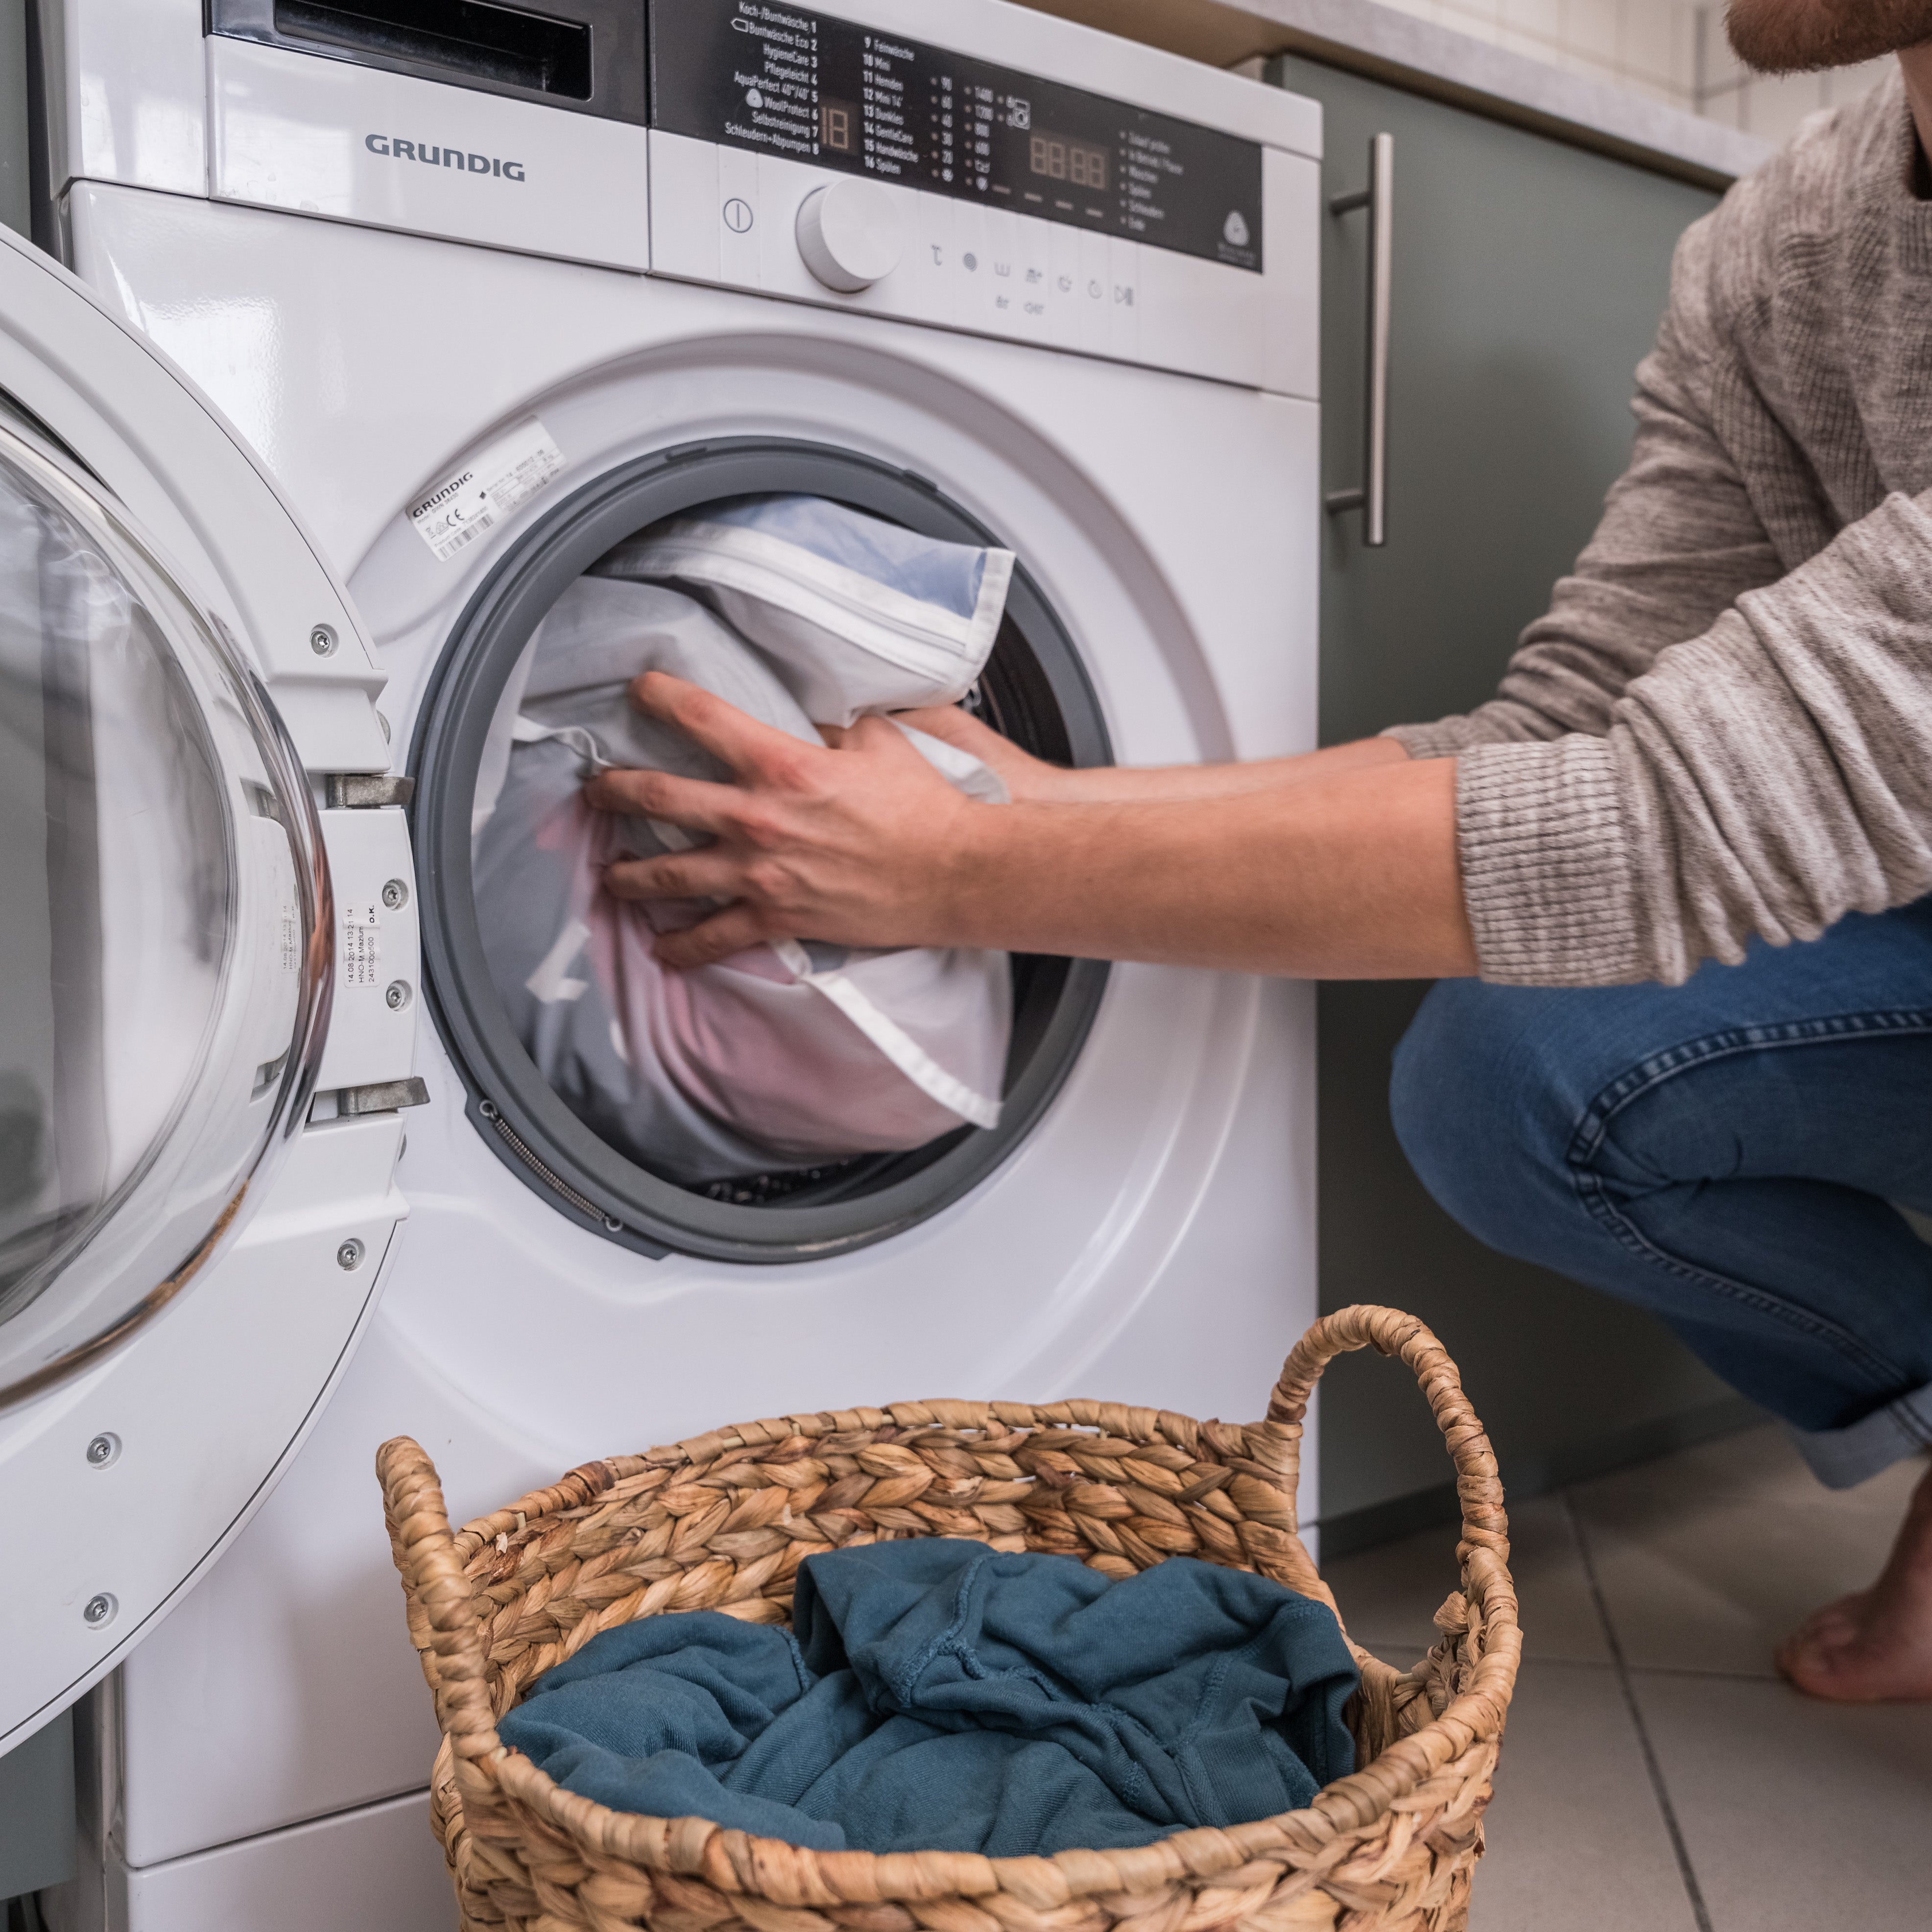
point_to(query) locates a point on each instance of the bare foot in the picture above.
(1874, 1647)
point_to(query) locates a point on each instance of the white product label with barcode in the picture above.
(500, 478)
(361, 945)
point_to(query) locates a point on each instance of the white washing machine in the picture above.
(489, 288)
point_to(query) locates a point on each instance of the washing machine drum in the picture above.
(799, 1098)
(158, 987)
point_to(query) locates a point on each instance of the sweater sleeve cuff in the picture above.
(1547, 876)
(1442, 740)
(1494, 723)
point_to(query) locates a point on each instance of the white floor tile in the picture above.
(1799, 1816)
(1796, 1815)
(1707, 1559)
(1577, 1840)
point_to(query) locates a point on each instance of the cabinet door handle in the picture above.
(1371, 497)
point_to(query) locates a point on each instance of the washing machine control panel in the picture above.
(1035, 180)
(824, 158)
(797, 83)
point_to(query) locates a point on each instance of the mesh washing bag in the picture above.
(722, 1522)
(786, 1055)
(855, 615)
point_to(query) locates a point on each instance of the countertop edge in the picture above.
(1404, 48)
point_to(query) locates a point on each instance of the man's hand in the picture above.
(1341, 865)
(856, 842)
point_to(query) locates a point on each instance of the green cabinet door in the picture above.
(1527, 279)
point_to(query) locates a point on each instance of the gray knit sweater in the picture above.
(1724, 727)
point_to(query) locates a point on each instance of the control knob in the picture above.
(850, 235)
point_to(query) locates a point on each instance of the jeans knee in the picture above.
(1476, 1097)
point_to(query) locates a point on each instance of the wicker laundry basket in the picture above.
(722, 1522)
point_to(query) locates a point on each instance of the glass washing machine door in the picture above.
(186, 715)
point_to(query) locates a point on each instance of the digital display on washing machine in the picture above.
(810, 88)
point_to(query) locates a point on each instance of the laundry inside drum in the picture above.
(795, 1072)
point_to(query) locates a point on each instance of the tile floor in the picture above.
(1657, 1775)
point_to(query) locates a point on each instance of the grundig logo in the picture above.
(398, 149)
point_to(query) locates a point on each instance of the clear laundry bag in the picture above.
(785, 1055)
(855, 615)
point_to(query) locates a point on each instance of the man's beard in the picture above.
(1802, 36)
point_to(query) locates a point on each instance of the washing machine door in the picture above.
(167, 963)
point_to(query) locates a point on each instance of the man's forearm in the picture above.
(1349, 872)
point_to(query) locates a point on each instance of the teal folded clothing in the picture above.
(939, 1695)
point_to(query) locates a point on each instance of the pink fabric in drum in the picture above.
(748, 1041)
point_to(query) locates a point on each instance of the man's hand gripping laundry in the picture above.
(1341, 863)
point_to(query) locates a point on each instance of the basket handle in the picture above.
(1389, 1332)
(424, 1549)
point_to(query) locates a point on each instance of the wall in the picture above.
(1672, 51)
(1647, 46)
(1771, 108)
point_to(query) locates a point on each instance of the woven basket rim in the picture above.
(776, 1870)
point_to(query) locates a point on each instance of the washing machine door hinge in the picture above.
(363, 790)
(382, 1096)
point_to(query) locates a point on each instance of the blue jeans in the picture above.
(1725, 1154)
